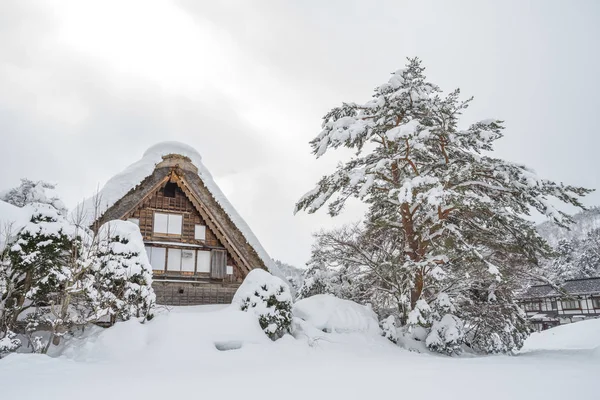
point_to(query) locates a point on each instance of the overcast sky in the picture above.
(87, 86)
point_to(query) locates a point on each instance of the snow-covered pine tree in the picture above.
(39, 258)
(122, 274)
(43, 272)
(588, 259)
(434, 185)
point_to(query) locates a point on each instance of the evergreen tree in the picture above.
(455, 208)
(588, 259)
(122, 274)
(39, 260)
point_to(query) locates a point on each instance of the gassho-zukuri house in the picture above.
(199, 247)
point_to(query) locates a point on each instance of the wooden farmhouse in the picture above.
(198, 254)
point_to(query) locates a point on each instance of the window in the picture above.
(554, 305)
(200, 232)
(156, 256)
(570, 304)
(229, 270)
(533, 306)
(169, 224)
(203, 261)
(181, 260)
(174, 260)
(170, 189)
(596, 302)
(188, 260)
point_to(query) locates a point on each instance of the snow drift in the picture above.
(331, 314)
(583, 335)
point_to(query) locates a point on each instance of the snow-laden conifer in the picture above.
(122, 273)
(457, 211)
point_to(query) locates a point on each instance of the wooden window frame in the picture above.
(539, 306)
(595, 303)
(166, 234)
(562, 304)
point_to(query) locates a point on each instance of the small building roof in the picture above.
(575, 287)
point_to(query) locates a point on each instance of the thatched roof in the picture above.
(163, 163)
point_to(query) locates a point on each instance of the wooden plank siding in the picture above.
(189, 291)
(187, 294)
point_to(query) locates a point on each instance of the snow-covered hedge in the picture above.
(331, 314)
(269, 298)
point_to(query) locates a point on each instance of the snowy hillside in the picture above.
(585, 222)
(200, 351)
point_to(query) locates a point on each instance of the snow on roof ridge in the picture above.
(128, 179)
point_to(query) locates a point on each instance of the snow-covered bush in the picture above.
(269, 298)
(331, 314)
(57, 276)
(446, 335)
(8, 343)
(122, 273)
(388, 329)
(496, 326)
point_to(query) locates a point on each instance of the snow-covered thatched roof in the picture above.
(142, 175)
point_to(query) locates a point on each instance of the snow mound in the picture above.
(120, 184)
(583, 335)
(182, 336)
(331, 314)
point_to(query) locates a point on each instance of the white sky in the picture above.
(87, 86)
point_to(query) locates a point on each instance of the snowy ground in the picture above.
(174, 356)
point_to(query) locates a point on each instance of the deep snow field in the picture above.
(175, 356)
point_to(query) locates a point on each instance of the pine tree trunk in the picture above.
(412, 251)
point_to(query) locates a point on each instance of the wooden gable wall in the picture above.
(179, 204)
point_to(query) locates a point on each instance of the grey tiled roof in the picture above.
(583, 286)
(539, 291)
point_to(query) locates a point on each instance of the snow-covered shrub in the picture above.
(388, 329)
(496, 327)
(331, 314)
(269, 298)
(8, 343)
(122, 273)
(446, 335)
